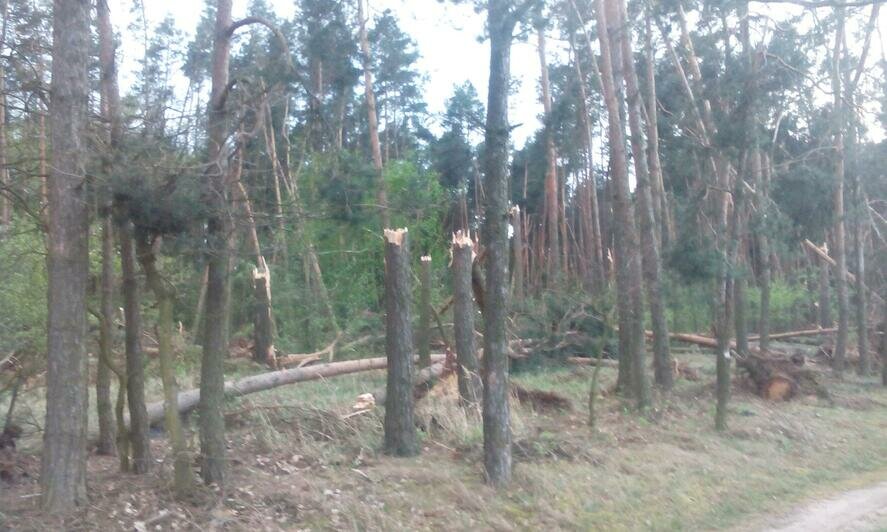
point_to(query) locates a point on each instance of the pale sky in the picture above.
(447, 37)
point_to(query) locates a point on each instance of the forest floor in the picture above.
(300, 461)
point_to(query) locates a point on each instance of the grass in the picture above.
(297, 464)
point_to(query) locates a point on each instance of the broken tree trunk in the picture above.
(424, 340)
(400, 430)
(470, 385)
(372, 118)
(263, 333)
(517, 257)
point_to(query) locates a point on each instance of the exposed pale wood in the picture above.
(795, 334)
(187, 400)
(586, 361)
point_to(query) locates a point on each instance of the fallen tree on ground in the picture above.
(797, 334)
(776, 376)
(189, 399)
(588, 361)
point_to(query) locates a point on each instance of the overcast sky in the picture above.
(447, 37)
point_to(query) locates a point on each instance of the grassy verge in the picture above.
(299, 462)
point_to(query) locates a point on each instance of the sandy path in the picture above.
(859, 510)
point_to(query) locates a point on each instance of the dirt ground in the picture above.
(859, 510)
(300, 460)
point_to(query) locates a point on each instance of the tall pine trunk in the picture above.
(840, 253)
(496, 413)
(552, 206)
(629, 278)
(652, 262)
(215, 345)
(110, 115)
(107, 443)
(762, 200)
(139, 436)
(660, 198)
(63, 460)
(588, 200)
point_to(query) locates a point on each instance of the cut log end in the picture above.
(462, 239)
(395, 236)
(779, 388)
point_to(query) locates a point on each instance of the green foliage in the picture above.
(567, 323)
(23, 298)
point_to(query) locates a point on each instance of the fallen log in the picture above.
(824, 256)
(795, 334)
(775, 377)
(189, 399)
(303, 359)
(586, 361)
(696, 339)
(425, 379)
(540, 400)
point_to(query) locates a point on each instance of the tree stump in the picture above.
(400, 429)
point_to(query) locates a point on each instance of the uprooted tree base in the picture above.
(779, 377)
(776, 376)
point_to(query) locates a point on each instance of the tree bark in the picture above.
(861, 300)
(758, 166)
(400, 429)
(468, 372)
(840, 253)
(519, 253)
(110, 114)
(496, 415)
(5, 205)
(135, 365)
(883, 345)
(197, 325)
(424, 339)
(552, 207)
(215, 345)
(107, 429)
(825, 298)
(138, 435)
(739, 316)
(588, 200)
(63, 460)
(660, 198)
(372, 118)
(652, 262)
(629, 278)
(183, 478)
